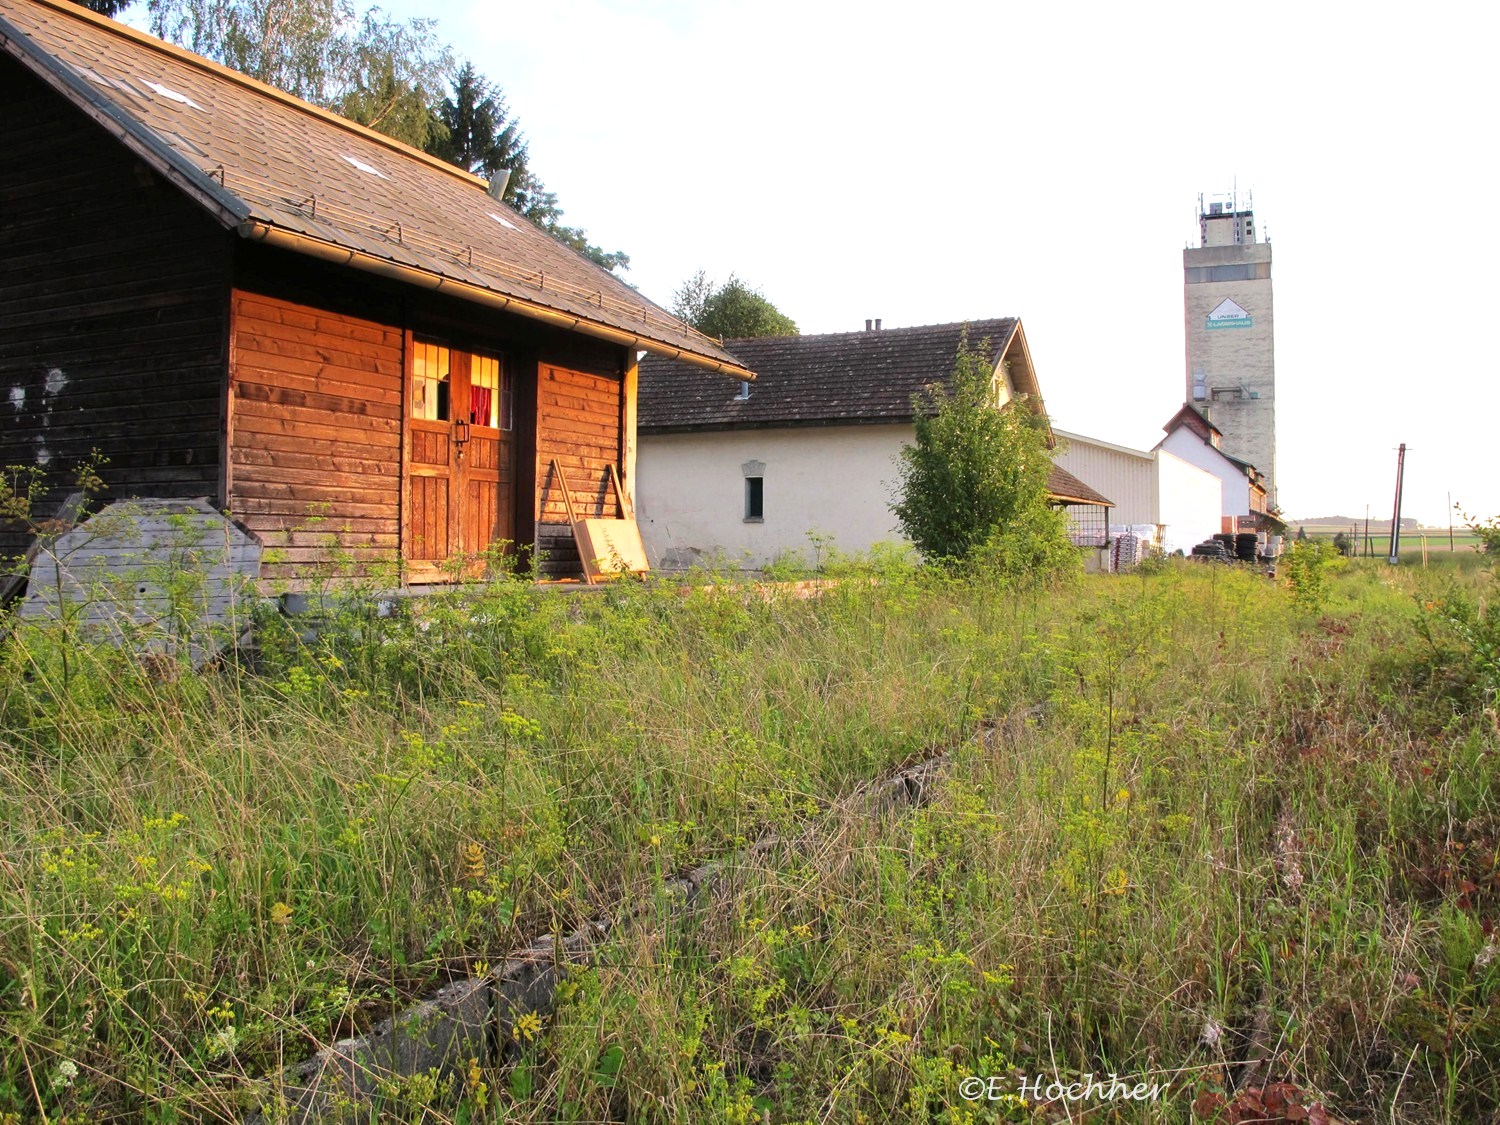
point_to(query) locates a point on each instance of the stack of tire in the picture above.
(1214, 550)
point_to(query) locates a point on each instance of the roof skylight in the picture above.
(171, 94)
(363, 167)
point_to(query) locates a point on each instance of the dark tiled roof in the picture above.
(1065, 487)
(845, 377)
(1194, 419)
(270, 166)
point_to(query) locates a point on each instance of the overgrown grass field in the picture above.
(1190, 818)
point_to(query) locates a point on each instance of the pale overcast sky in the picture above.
(928, 162)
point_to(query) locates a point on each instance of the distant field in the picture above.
(1464, 551)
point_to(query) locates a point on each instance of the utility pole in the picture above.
(1368, 552)
(1396, 518)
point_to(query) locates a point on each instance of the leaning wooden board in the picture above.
(606, 546)
(610, 547)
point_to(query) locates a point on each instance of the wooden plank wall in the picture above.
(315, 434)
(578, 424)
(112, 309)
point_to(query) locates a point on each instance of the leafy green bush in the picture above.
(1468, 617)
(974, 484)
(1308, 566)
(1488, 532)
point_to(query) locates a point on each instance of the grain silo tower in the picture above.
(1231, 367)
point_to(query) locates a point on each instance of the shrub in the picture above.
(975, 481)
(1308, 566)
(1471, 617)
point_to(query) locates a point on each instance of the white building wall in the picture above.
(1234, 489)
(1182, 500)
(835, 481)
(1189, 500)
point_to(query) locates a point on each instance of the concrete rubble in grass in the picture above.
(474, 1018)
(163, 577)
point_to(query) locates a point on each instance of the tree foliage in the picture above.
(973, 486)
(689, 300)
(107, 7)
(478, 133)
(729, 311)
(396, 74)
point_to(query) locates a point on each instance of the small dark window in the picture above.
(755, 498)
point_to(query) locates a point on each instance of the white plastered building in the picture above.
(806, 455)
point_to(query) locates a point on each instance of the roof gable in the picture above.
(836, 378)
(277, 169)
(1192, 418)
(1243, 468)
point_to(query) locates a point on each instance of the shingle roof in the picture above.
(841, 377)
(1065, 487)
(275, 168)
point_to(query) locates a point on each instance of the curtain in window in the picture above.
(481, 406)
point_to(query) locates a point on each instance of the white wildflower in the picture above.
(1487, 955)
(1211, 1033)
(223, 1042)
(63, 1076)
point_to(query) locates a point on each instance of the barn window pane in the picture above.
(490, 398)
(484, 391)
(430, 369)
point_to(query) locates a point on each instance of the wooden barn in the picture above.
(346, 344)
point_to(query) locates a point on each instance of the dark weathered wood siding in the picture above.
(318, 387)
(315, 433)
(113, 304)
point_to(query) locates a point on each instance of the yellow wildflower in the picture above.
(281, 914)
(527, 1027)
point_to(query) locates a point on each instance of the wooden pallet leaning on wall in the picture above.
(607, 547)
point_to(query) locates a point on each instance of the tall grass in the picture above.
(1187, 819)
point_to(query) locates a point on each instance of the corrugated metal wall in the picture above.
(1127, 479)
